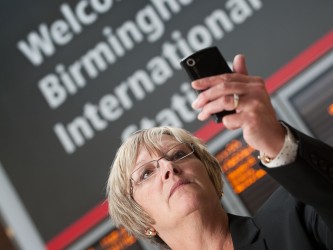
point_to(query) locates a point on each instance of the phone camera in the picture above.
(190, 62)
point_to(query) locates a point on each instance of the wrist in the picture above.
(287, 153)
(276, 143)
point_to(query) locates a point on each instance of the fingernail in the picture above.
(195, 104)
(197, 82)
(199, 116)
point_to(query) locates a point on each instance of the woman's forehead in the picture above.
(159, 144)
(154, 149)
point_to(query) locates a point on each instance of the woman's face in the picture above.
(177, 190)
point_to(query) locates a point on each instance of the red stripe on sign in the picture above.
(205, 133)
(208, 131)
(78, 228)
(300, 63)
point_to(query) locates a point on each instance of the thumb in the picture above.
(239, 65)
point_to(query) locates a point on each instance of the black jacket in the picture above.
(299, 214)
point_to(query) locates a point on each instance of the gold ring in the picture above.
(236, 101)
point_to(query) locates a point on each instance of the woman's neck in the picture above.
(201, 230)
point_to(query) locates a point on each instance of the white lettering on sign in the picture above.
(143, 82)
(148, 21)
(147, 24)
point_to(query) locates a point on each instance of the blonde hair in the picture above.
(123, 209)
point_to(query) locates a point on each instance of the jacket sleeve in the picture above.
(310, 177)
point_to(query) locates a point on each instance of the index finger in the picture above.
(207, 82)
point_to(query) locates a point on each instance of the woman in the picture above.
(165, 186)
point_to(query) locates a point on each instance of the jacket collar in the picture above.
(245, 234)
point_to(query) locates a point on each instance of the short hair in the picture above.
(123, 209)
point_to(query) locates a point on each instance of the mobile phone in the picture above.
(204, 63)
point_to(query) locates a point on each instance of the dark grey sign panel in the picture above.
(308, 99)
(78, 76)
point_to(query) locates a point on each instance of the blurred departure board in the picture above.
(314, 104)
(117, 239)
(240, 166)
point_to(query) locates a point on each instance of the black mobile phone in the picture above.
(204, 63)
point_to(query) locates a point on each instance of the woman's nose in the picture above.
(168, 168)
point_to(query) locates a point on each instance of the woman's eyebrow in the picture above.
(159, 151)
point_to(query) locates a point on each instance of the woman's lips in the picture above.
(177, 184)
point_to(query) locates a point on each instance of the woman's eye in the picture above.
(178, 155)
(147, 172)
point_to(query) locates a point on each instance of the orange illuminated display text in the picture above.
(239, 165)
(330, 109)
(118, 239)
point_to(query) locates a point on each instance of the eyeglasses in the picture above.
(149, 169)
